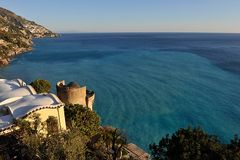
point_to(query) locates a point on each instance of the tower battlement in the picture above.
(73, 93)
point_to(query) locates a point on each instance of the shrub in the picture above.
(41, 86)
(52, 125)
(29, 142)
(194, 143)
(87, 121)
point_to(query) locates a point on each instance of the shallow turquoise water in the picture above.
(147, 90)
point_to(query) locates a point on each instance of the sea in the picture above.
(146, 84)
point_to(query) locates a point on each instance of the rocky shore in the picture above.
(5, 60)
(16, 35)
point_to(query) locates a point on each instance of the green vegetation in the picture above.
(87, 121)
(16, 34)
(107, 145)
(32, 143)
(52, 125)
(84, 139)
(194, 143)
(13, 36)
(41, 86)
(103, 142)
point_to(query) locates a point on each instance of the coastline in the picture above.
(6, 60)
(17, 34)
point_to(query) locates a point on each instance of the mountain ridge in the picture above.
(16, 35)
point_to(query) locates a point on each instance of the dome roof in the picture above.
(73, 85)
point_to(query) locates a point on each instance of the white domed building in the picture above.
(20, 101)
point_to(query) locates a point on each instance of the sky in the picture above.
(130, 15)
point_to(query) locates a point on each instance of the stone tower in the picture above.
(72, 93)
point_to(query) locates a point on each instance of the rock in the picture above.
(16, 34)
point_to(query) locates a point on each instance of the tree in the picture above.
(108, 144)
(52, 125)
(185, 144)
(75, 145)
(41, 86)
(29, 141)
(87, 121)
(114, 141)
(233, 149)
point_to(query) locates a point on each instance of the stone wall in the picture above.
(90, 101)
(74, 94)
(58, 113)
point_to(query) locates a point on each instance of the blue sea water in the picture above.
(147, 84)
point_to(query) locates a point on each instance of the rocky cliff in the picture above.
(16, 34)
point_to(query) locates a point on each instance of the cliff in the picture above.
(16, 34)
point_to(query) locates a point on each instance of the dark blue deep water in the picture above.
(147, 84)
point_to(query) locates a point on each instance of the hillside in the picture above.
(16, 34)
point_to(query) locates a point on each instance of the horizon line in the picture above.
(148, 32)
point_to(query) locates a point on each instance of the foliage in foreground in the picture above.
(30, 141)
(107, 145)
(84, 139)
(41, 86)
(87, 121)
(104, 142)
(194, 143)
